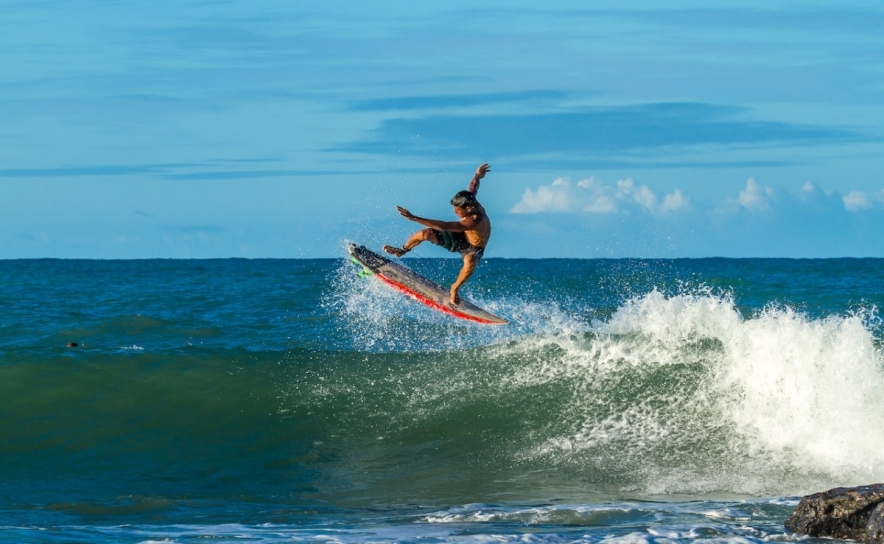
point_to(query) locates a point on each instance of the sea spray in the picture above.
(377, 318)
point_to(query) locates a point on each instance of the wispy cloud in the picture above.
(594, 196)
(195, 229)
(208, 170)
(597, 132)
(91, 170)
(430, 102)
(834, 18)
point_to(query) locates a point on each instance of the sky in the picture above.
(281, 129)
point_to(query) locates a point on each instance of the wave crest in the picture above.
(683, 394)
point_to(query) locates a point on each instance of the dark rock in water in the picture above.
(843, 512)
(875, 527)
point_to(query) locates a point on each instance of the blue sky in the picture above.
(191, 129)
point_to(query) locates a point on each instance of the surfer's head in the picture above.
(463, 199)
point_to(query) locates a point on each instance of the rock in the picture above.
(843, 512)
(875, 527)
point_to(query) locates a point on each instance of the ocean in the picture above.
(629, 401)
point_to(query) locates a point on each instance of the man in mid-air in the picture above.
(469, 236)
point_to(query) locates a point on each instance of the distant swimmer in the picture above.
(469, 236)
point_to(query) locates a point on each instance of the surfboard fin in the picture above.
(364, 273)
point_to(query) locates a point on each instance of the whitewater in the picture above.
(290, 400)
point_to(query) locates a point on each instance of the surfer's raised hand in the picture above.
(405, 213)
(480, 173)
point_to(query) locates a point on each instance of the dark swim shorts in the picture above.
(456, 242)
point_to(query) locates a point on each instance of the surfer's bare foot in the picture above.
(455, 299)
(395, 251)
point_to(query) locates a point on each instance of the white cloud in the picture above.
(591, 195)
(589, 183)
(810, 198)
(855, 201)
(547, 198)
(600, 204)
(674, 202)
(645, 197)
(755, 196)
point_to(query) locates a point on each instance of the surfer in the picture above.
(469, 236)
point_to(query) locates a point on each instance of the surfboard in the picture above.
(418, 287)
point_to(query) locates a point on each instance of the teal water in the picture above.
(289, 400)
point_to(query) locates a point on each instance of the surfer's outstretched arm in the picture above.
(480, 173)
(463, 225)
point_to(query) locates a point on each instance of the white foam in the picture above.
(787, 401)
(810, 388)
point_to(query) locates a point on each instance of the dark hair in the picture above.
(463, 199)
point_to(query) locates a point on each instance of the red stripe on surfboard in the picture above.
(432, 303)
